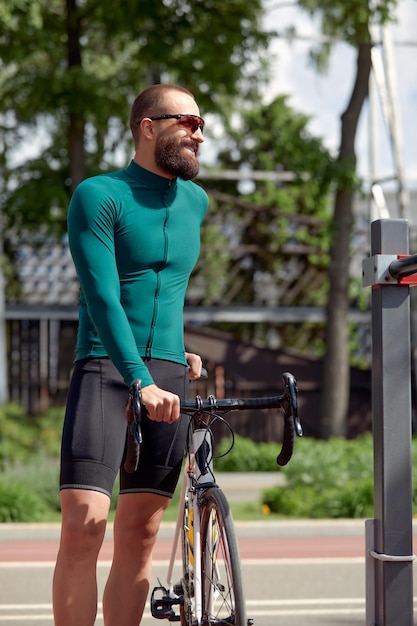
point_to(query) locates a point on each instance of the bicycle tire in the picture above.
(222, 592)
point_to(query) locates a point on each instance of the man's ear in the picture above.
(147, 128)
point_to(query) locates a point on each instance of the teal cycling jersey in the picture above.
(134, 238)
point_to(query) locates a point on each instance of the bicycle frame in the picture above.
(211, 590)
(198, 474)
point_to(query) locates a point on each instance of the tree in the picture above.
(69, 72)
(277, 229)
(351, 22)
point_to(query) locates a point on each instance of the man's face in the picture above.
(176, 145)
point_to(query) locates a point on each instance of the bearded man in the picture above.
(134, 236)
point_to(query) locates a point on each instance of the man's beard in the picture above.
(172, 156)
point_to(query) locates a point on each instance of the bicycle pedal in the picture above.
(161, 607)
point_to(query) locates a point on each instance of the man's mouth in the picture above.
(192, 147)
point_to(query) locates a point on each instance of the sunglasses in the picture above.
(193, 122)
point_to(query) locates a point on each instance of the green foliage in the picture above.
(319, 464)
(245, 456)
(40, 476)
(324, 479)
(22, 436)
(354, 500)
(211, 277)
(16, 433)
(19, 504)
(331, 478)
(71, 70)
(48, 428)
(278, 232)
(29, 465)
(351, 22)
(273, 137)
(293, 218)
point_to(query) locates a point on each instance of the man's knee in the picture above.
(84, 518)
(140, 515)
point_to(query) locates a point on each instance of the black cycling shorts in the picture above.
(94, 433)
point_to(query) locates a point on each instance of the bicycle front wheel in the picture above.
(222, 591)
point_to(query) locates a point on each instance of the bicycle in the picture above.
(210, 591)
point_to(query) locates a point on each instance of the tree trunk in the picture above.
(76, 123)
(76, 152)
(336, 369)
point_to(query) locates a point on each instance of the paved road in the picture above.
(292, 572)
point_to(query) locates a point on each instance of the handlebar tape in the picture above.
(287, 441)
(292, 424)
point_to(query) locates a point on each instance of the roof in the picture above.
(47, 273)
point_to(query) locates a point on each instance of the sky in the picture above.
(325, 97)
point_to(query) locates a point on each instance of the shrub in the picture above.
(19, 504)
(245, 456)
(49, 430)
(16, 433)
(323, 479)
(327, 479)
(354, 500)
(22, 436)
(40, 474)
(330, 463)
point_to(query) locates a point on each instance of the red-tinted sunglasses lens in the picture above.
(193, 122)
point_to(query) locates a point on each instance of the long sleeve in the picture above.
(91, 237)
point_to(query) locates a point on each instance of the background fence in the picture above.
(40, 348)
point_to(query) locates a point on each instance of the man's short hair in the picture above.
(151, 102)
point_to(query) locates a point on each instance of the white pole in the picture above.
(4, 395)
(396, 137)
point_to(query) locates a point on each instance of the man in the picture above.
(134, 238)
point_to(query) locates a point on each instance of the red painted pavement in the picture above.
(250, 548)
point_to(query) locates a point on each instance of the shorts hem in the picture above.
(87, 474)
(158, 492)
(85, 488)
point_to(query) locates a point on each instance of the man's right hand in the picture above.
(160, 405)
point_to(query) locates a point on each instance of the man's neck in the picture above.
(151, 166)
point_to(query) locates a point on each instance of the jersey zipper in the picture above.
(158, 275)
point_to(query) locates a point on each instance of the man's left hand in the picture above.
(195, 364)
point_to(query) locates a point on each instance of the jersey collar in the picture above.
(149, 179)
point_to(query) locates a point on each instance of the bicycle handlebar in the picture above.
(287, 401)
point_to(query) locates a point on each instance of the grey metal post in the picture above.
(391, 553)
